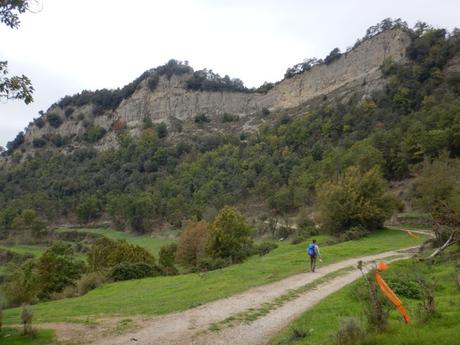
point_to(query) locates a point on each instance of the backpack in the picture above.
(311, 249)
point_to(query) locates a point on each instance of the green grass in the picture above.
(160, 295)
(34, 250)
(320, 324)
(151, 243)
(12, 336)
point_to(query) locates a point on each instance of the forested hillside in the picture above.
(147, 181)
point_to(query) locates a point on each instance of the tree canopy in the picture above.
(14, 87)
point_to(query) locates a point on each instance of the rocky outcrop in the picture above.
(171, 101)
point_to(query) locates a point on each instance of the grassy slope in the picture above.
(152, 244)
(162, 295)
(322, 322)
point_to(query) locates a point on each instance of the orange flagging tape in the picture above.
(388, 292)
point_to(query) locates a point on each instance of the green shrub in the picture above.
(58, 268)
(90, 281)
(354, 233)
(129, 270)
(38, 142)
(105, 254)
(54, 120)
(167, 255)
(22, 285)
(229, 236)
(355, 198)
(303, 233)
(162, 130)
(88, 209)
(94, 134)
(152, 82)
(69, 111)
(405, 284)
(209, 264)
(229, 118)
(68, 292)
(39, 122)
(201, 119)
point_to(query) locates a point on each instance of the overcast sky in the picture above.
(71, 45)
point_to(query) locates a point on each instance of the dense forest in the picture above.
(147, 181)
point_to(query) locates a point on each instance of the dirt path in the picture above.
(191, 327)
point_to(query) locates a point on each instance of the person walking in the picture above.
(313, 253)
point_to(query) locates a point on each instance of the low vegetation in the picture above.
(329, 321)
(147, 181)
(166, 294)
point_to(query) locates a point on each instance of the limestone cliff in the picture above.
(171, 102)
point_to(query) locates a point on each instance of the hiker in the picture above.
(313, 252)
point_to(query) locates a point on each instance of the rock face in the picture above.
(171, 102)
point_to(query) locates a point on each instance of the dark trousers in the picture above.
(312, 262)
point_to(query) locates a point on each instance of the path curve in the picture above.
(190, 327)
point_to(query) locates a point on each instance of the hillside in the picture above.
(176, 143)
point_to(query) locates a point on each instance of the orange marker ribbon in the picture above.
(386, 290)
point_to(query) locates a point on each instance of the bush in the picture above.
(162, 130)
(16, 142)
(57, 268)
(152, 82)
(39, 122)
(229, 236)
(130, 270)
(69, 111)
(265, 247)
(166, 259)
(202, 118)
(22, 285)
(88, 209)
(354, 233)
(67, 292)
(90, 281)
(303, 233)
(229, 118)
(192, 243)
(54, 120)
(355, 198)
(58, 140)
(38, 142)
(333, 55)
(207, 80)
(94, 134)
(209, 264)
(406, 283)
(105, 254)
(350, 332)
